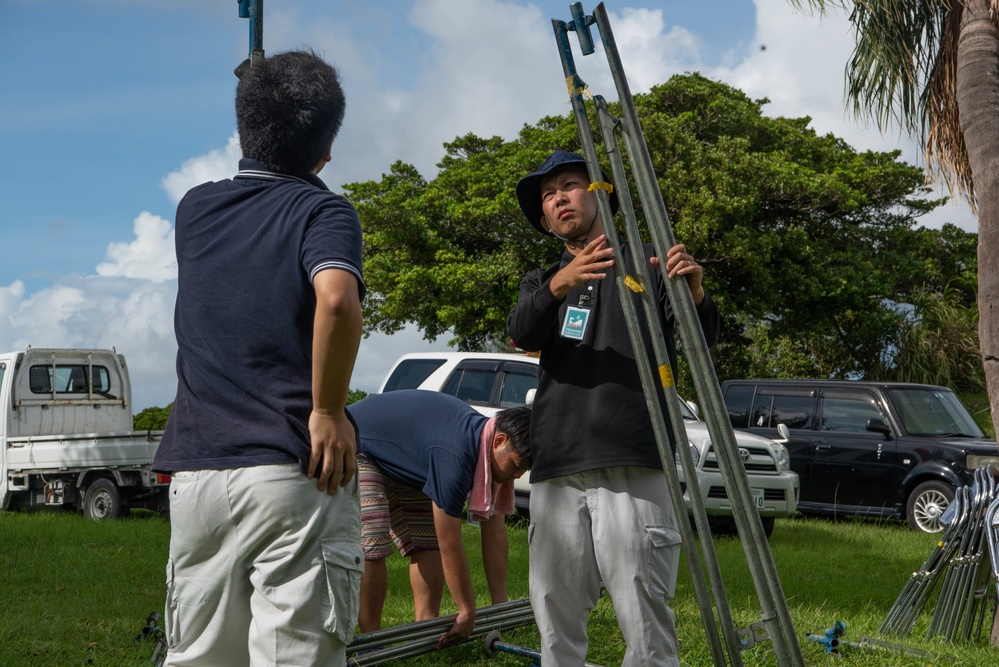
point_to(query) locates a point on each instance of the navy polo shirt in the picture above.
(247, 251)
(422, 439)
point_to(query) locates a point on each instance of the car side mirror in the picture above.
(783, 432)
(529, 399)
(878, 425)
(695, 408)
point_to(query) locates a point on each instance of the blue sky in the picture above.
(112, 109)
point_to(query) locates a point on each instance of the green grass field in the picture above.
(77, 593)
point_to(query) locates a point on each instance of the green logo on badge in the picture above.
(575, 323)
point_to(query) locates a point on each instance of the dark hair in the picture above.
(289, 107)
(516, 423)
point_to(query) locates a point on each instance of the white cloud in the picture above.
(214, 166)
(43, 318)
(651, 54)
(150, 256)
(801, 71)
(10, 297)
(462, 82)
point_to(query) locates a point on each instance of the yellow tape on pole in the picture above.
(601, 185)
(666, 375)
(577, 86)
(633, 284)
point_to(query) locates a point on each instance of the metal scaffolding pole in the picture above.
(254, 11)
(422, 637)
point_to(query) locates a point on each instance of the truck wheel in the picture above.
(102, 500)
(925, 505)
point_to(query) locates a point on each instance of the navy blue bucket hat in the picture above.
(529, 187)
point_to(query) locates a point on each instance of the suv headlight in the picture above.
(976, 461)
(783, 458)
(694, 454)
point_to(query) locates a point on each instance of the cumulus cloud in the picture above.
(10, 297)
(459, 81)
(126, 304)
(216, 165)
(798, 64)
(650, 52)
(801, 71)
(150, 256)
(43, 319)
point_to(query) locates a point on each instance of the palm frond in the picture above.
(903, 71)
(945, 150)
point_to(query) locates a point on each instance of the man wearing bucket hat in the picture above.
(600, 508)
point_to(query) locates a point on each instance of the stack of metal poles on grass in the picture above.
(632, 278)
(917, 590)
(414, 639)
(957, 562)
(960, 607)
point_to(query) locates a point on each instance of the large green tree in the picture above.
(933, 67)
(808, 245)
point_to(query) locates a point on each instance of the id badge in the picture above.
(574, 325)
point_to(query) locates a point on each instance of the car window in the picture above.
(933, 412)
(738, 400)
(68, 379)
(796, 411)
(847, 414)
(472, 385)
(516, 384)
(410, 373)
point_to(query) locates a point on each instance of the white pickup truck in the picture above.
(490, 382)
(66, 435)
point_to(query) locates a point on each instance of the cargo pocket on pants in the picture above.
(344, 565)
(663, 548)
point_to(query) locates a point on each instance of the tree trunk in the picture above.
(977, 103)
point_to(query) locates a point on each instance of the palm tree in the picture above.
(932, 67)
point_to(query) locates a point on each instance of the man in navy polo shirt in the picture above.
(265, 558)
(423, 454)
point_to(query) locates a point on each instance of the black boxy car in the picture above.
(878, 449)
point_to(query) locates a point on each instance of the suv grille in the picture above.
(760, 459)
(768, 494)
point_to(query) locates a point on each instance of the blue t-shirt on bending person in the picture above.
(422, 439)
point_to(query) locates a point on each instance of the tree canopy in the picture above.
(809, 247)
(152, 419)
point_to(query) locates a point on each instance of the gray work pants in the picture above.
(614, 525)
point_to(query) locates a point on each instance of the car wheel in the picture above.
(102, 500)
(926, 503)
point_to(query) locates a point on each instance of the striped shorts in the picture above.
(392, 512)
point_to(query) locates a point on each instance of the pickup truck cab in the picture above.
(491, 382)
(877, 449)
(66, 435)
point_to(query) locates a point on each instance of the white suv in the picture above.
(491, 382)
